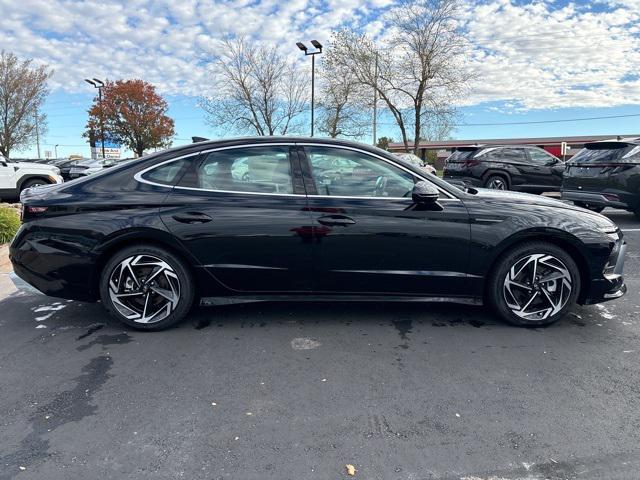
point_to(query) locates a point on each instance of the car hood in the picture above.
(517, 198)
(34, 166)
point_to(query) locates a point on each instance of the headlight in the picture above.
(56, 170)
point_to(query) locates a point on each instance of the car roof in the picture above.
(613, 143)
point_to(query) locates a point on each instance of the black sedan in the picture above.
(259, 219)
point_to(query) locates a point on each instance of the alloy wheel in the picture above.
(497, 184)
(144, 288)
(537, 287)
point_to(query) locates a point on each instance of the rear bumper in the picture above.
(50, 269)
(462, 181)
(595, 198)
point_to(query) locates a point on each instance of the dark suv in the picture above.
(505, 167)
(605, 174)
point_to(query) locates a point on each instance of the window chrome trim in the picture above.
(138, 176)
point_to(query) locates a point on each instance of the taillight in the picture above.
(29, 212)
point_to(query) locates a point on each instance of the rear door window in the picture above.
(510, 155)
(251, 169)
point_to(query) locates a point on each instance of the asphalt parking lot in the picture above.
(297, 391)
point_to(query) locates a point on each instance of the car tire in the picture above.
(35, 182)
(497, 182)
(516, 289)
(589, 206)
(147, 287)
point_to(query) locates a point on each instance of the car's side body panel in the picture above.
(273, 244)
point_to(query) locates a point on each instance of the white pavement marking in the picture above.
(304, 344)
(630, 229)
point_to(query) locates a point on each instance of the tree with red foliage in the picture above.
(133, 115)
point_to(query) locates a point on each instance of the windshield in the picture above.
(608, 153)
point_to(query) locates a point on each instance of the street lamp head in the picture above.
(99, 82)
(90, 82)
(301, 46)
(316, 44)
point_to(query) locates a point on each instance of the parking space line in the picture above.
(630, 229)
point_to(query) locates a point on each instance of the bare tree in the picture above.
(257, 91)
(23, 89)
(343, 106)
(419, 71)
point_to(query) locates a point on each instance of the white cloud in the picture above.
(537, 55)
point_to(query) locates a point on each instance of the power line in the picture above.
(534, 122)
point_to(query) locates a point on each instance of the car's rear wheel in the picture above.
(497, 182)
(146, 287)
(589, 206)
(534, 284)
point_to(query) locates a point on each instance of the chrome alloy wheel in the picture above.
(144, 288)
(537, 287)
(497, 183)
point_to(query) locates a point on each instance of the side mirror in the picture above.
(424, 193)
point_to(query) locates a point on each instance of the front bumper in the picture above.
(611, 285)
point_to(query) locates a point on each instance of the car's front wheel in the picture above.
(146, 287)
(534, 284)
(36, 182)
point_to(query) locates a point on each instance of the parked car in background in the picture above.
(415, 160)
(505, 167)
(16, 177)
(151, 236)
(89, 166)
(605, 174)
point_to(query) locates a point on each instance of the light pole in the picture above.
(56, 149)
(99, 84)
(317, 51)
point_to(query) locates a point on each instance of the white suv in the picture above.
(18, 176)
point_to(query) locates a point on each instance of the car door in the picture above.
(370, 237)
(548, 169)
(242, 212)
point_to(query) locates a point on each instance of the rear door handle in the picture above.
(336, 220)
(192, 217)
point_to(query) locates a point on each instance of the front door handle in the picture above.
(192, 217)
(336, 220)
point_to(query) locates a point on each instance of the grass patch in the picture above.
(9, 223)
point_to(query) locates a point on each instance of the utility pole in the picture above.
(375, 100)
(99, 84)
(37, 133)
(318, 50)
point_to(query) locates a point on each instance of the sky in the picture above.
(534, 61)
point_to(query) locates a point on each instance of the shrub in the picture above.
(9, 223)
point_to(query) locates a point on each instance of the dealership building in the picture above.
(562, 147)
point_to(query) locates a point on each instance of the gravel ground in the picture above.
(298, 391)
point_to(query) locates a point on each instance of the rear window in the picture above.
(168, 173)
(608, 153)
(461, 155)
